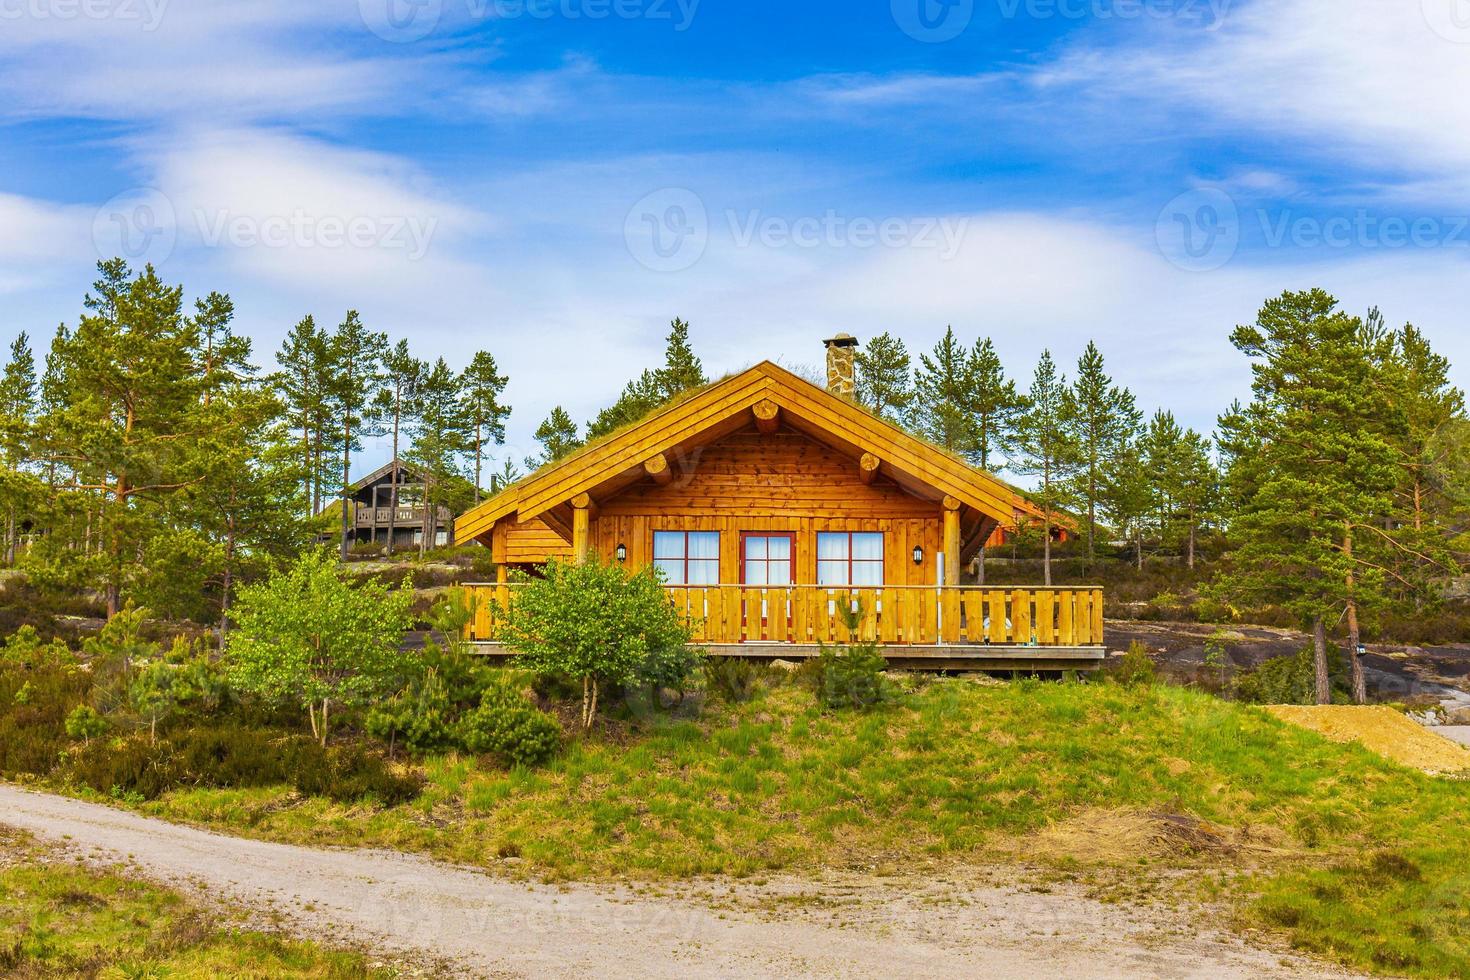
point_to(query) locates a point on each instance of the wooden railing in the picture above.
(891, 615)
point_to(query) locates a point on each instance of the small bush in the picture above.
(851, 676)
(732, 679)
(85, 723)
(350, 773)
(421, 714)
(133, 766)
(1135, 668)
(1293, 679)
(507, 725)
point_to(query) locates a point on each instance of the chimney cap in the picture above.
(841, 340)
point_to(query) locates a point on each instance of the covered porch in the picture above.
(934, 627)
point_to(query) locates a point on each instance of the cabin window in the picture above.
(688, 557)
(850, 558)
(766, 559)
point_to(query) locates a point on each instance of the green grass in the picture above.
(60, 919)
(1361, 860)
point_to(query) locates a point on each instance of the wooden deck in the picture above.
(951, 627)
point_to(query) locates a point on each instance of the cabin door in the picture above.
(766, 559)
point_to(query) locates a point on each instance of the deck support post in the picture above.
(951, 541)
(581, 526)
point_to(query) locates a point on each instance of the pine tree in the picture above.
(653, 389)
(1310, 467)
(682, 371)
(557, 435)
(1103, 418)
(942, 390)
(402, 375)
(885, 377)
(1046, 448)
(993, 404)
(508, 474)
(1128, 494)
(123, 420)
(356, 354)
(482, 385)
(440, 437)
(17, 421)
(304, 383)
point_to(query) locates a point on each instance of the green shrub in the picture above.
(421, 714)
(349, 773)
(851, 676)
(38, 690)
(132, 766)
(1135, 668)
(601, 625)
(507, 725)
(85, 723)
(1293, 679)
(733, 679)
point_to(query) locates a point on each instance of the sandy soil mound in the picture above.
(1383, 730)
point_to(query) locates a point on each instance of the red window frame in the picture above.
(791, 555)
(684, 579)
(881, 561)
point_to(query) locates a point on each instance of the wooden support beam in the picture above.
(659, 469)
(868, 467)
(951, 541)
(767, 416)
(581, 526)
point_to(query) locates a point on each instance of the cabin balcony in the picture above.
(365, 515)
(933, 627)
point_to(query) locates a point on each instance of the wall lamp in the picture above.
(622, 553)
(918, 555)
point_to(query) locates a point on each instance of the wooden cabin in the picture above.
(765, 501)
(372, 518)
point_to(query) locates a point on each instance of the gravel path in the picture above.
(420, 909)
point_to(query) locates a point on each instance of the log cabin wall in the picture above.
(784, 481)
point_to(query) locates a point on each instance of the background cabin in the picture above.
(373, 518)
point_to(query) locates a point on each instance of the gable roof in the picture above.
(609, 465)
(382, 472)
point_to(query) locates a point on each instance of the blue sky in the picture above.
(553, 180)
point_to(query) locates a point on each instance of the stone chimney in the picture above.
(841, 351)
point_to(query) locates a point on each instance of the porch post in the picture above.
(951, 541)
(581, 526)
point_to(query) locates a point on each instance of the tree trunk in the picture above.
(1192, 533)
(980, 566)
(1046, 550)
(1360, 684)
(325, 702)
(428, 522)
(346, 480)
(1319, 650)
(393, 487)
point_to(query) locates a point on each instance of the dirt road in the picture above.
(414, 907)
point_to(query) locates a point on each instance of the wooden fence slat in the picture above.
(949, 615)
(999, 613)
(888, 616)
(1097, 617)
(1021, 616)
(1066, 631)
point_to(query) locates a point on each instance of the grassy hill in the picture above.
(1342, 852)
